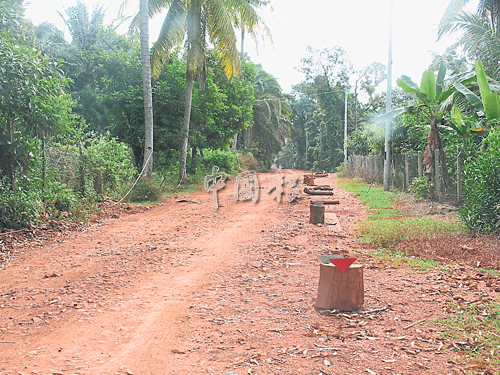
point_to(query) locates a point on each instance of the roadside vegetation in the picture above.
(386, 227)
(473, 329)
(72, 120)
(73, 127)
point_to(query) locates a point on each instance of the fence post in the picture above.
(459, 177)
(419, 164)
(374, 167)
(407, 171)
(380, 162)
(437, 177)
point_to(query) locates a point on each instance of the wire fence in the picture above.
(407, 167)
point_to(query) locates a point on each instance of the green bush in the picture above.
(248, 162)
(227, 161)
(343, 169)
(420, 188)
(144, 191)
(112, 159)
(481, 210)
(102, 163)
(17, 208)
(59, 196)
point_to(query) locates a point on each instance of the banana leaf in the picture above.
(428, 85)
(482, 80)
(394, 113)
(440, 79)
(492, 106)
(471, 97)
(408, 85)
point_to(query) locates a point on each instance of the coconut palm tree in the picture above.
(271, 112)
(195, 23)
(249, 25)
(480, 30)
(140, 24)
(146, 87)
(83, 27)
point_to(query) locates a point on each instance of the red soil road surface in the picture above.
(185, 289)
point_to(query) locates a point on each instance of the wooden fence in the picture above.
(407, 166)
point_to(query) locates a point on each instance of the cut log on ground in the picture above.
(340, 291)
(321, 175)
(317, 192)
(330, 202)
(322, 187)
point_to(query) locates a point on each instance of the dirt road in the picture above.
(186, 289)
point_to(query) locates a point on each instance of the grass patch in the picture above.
(374, 197)
(391, 232)
(388, 229)
(398, 258)
(474, 329)
(475, 332)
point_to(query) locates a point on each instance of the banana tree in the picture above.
(488, 105)
(433, 103)
(464, 126)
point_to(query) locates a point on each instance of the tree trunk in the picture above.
(247, 138)
(242, 57)
(444, 163)
(433, 142)
(10, 128)
(235, 142)
(194, 153)
(338, 290)
(81, 171)
(185, 125)
(44, 166)
(146, 86)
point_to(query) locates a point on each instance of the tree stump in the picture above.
(308, 179)
(340, 291)
(316, 214)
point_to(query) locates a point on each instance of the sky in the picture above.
(360, 27)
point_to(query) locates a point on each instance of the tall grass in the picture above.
(386, 226)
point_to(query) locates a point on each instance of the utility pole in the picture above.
(307, 146)
(320, 164)
(356, 104)
(388, 108)
(345, 128)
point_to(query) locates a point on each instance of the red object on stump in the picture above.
(343, 291)
(308, 179)
(342, 263)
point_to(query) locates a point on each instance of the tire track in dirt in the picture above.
(137, 321)
(182, 289)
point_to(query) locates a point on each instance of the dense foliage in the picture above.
(318, 109)
(72, 116)
(72, 113)
(481, 210)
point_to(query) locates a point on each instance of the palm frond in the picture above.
(221, 32)
(154, 6)
(478, 37)
(195, 35)
(451, 11)
(171, 34)
(83, 27)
